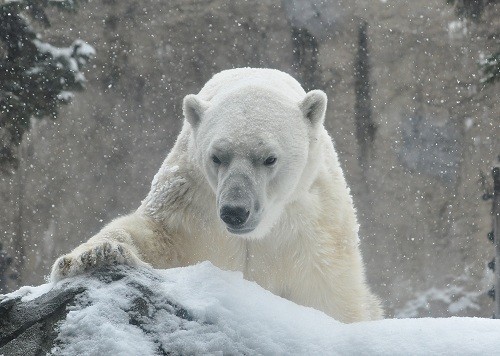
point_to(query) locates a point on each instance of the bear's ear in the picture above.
(314, 106)
(194, 108)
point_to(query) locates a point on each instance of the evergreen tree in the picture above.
(490, 68)
(472, 10)
(35, 77)
(365, 126)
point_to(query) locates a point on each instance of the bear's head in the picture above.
(258, 150)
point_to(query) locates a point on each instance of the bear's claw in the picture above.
(88, 258)
(64, 265)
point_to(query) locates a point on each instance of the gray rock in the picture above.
(32, 327)
(28, 328)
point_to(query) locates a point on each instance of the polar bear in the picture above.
(252, 184)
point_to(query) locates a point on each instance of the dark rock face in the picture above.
(101, 313)
(28, 328)
(31, 327)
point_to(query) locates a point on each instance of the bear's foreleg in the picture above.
(124, 241)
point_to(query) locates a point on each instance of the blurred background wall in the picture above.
(416, 131)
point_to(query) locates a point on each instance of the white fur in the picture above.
(304, 239)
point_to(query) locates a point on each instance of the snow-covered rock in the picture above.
(202, 309)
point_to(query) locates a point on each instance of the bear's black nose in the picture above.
(234, 216)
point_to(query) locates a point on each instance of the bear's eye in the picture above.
(216, 159)
(271, 160)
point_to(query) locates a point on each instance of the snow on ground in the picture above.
(456, 295)
(230, 315)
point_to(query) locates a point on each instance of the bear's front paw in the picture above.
(89, 257)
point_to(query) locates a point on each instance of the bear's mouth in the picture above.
(239, 230)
